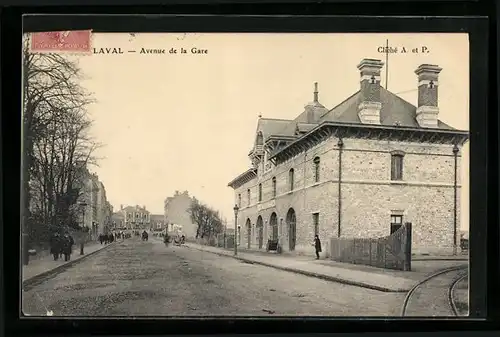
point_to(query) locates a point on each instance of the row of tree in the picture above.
(209, 222)
(56, 142)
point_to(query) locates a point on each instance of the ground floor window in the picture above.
(396, 222)
(316, 223)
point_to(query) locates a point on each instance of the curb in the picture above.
(310, 274)
(37, 279)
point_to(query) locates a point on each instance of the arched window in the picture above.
(274, 187)
(291, 177)
(248, 196)
(316, 169)
(260, 192)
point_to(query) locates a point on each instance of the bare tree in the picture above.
(56, 137)
(208, 221)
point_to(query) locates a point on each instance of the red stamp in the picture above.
(76, 41)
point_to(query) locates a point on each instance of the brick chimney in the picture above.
(427, 108)
(370, 105)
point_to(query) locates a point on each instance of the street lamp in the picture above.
(225, 230)
(236, 208)
(82, 204)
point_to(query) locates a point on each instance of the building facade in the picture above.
(176, 213)
(361, 169)
(157, 222)
(92, 205)
(131, 218)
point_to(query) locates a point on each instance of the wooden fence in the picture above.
(391, 252)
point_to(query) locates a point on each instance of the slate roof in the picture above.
(274, 127)
(394, 110)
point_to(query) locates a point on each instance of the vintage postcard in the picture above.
(298, 174)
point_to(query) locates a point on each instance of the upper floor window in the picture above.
(291, 177)
(274, 187)
(260, 192)
(239, 200)
(316, 169)
(248, 197)
(397, 165)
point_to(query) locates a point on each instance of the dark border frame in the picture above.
(481, 206)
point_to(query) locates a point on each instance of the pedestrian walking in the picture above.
(101, 238)
(55, 245)
(317, 246)
(68, 243)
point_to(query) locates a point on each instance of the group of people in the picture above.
(106, 238)
(61, 245)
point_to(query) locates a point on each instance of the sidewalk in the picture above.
(357, 275)
(41, 266)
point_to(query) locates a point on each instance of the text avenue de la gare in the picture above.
(151, 51)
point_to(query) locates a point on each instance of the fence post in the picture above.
(407, 246)
(370, 248)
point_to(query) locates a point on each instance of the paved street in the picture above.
(146, 278)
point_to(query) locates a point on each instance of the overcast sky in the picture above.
(187, 121)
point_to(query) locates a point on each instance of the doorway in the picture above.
(260, 231)
(291, 221)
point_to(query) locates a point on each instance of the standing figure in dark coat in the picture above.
(317, 246)
(68, 243)
(55, 245)
(101, 238)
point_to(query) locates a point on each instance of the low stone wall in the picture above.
(391, 252)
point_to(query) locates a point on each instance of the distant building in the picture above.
(157, 222)
(176, 212)
(131, 217)
(92, 205)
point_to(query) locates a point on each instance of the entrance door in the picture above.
(292, 229)
(260, 228)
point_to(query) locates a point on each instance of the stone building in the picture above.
(157, 222)
(360, 169)
(131, 218)
(176, 211)
(92, 204)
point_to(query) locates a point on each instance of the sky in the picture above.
(187, 121)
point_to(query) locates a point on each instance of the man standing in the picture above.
(68, 243)
(317, 246)
(55, 245)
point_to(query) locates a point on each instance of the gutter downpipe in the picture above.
(340, 145)
(455, 193)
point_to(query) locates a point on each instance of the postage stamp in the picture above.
(78, 41)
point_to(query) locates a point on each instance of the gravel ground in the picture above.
(137, 278)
